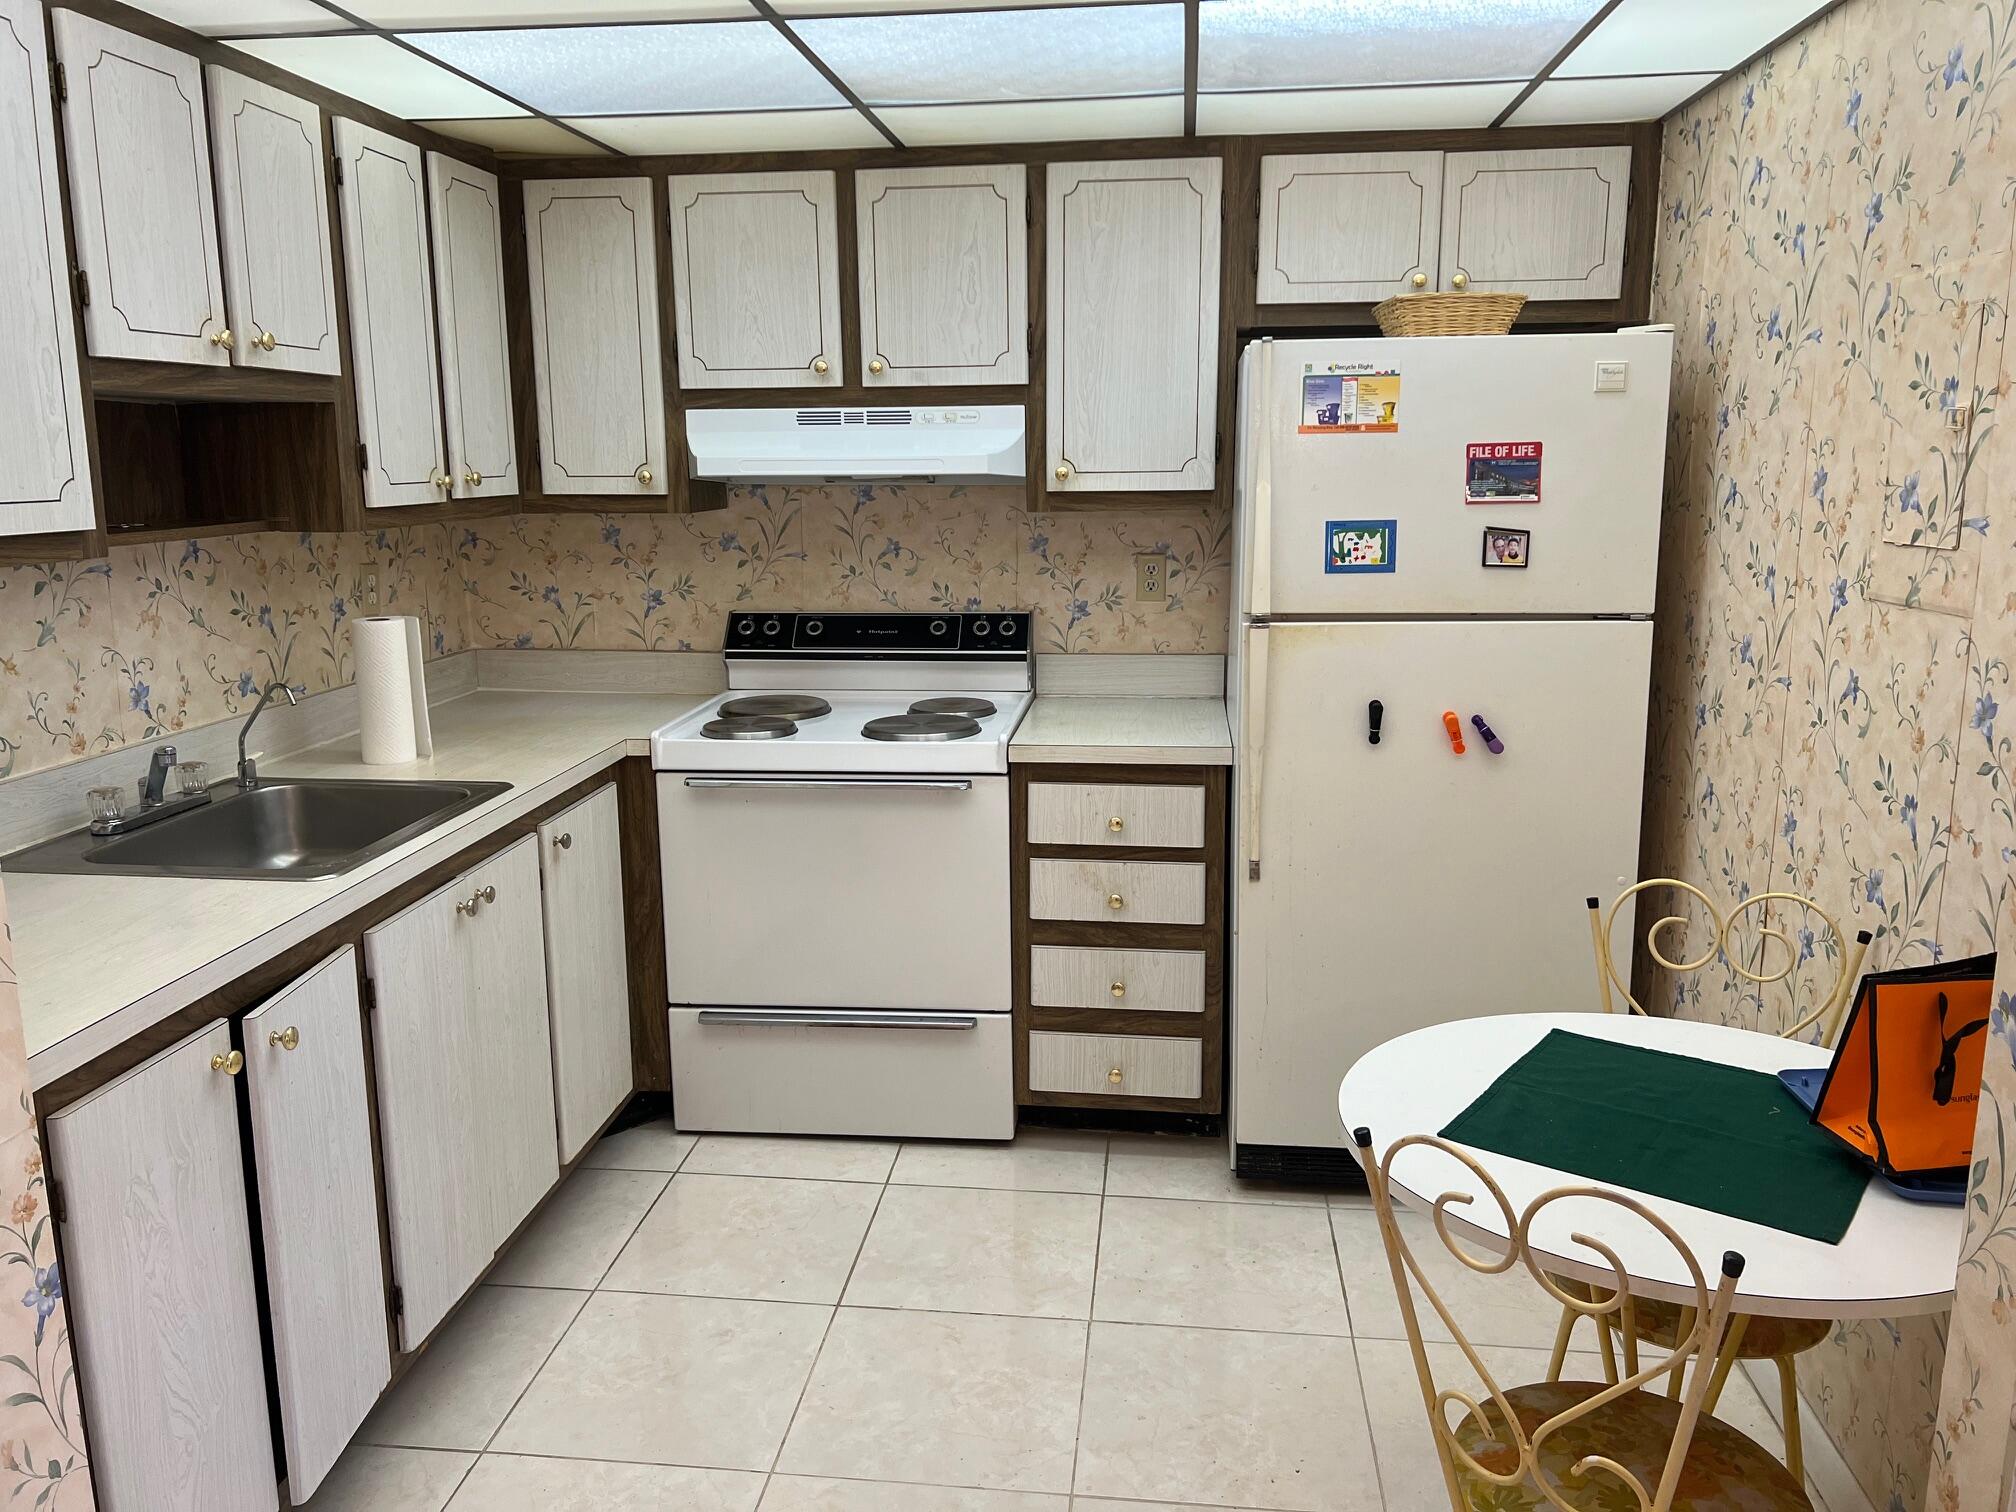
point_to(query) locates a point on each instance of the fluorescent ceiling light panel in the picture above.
(395, 15)
(245, 18)
(1294, 44)
(1414, 107)
(380, 73)
(974, 55)
(701, 67)
(522, 136)
(1684, 36)
(897, 7)
(750, 131)
(1035, 121)
(1639, 97)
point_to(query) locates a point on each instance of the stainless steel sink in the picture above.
(284, 829)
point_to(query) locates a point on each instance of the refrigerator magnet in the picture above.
(1353, 398)
(1501, 472)
(1504, 547)
(1359, 545)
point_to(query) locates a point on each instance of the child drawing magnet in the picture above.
(1350, 399)
(1505, 547)
(1501, 472)
(1359, 545)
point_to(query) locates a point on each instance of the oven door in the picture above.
(793, 891)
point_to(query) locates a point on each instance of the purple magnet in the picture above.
(1491, 741)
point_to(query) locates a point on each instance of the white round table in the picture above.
(1897, 1259)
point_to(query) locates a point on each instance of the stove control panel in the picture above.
(990, 635)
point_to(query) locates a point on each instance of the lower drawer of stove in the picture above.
(755, 1071)
(1116, 1065)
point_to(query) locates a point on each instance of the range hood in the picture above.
(948, 443)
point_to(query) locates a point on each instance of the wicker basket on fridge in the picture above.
(1448, 313)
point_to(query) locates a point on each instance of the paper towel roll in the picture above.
(384, 687)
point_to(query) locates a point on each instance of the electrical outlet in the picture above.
(371, 592)
(1151, 578)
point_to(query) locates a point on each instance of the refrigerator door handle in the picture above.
(1253, 742)
(1260, 545)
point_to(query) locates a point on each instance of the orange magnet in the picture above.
(1455, 728)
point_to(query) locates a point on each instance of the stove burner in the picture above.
(779, 705)
(921, 727)
(972, 708)
(762, 727)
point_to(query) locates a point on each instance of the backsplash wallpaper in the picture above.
(1837, 613)
(164, 637)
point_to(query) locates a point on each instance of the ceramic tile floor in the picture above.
(1070, 1323)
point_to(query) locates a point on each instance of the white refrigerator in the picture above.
(1432, 532)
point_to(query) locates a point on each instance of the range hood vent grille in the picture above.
(856, 417)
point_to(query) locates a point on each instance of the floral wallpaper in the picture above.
(1837, 613)
(42, 1461)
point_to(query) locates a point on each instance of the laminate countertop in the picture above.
(103, 958)
(1124, 731)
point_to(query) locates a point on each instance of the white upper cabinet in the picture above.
(1547, 223)
(475, 354)
(944, 274)
(273, 222)
(140, 196)
(1348, 226)
(391, 289)
(756, 279)
(45, 466)
(591, 250)
(1133, 324)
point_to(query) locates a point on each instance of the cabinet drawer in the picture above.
(1116, 1065)
(1141, 981)
(1115, 813)
(1119, 892)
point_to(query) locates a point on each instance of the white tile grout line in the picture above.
(1091, 1307)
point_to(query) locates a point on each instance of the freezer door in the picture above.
(1593, 536)
(1401, 884)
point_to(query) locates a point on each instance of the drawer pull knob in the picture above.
(285, 1039)
(564, 841)
(1115, 901)
(230, 1063)
(1119, 989)
(1113, 1076)
(1116, 824)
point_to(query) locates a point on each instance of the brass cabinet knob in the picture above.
(1118, 989)
(1114, 900)
(1419, 280)
(467, 908)
(473, 478)
(1063, 471)
(1116, 824)
(487, 894)
(285, 1039)
(443, 482)
(222, 337)
(818, 364)
(644, 476)
(230, 1063)
(1113, 1076)
(1460, 281)
(265, 341)
(875, 366)
(564, 841)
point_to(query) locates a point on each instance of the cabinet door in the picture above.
(593, 258)
(273, 223)
(318, 1208)
(475, 355)
(391, 292)
(1547, 223)
(1348, 226)
(756, 279)
(159, 1270)
(1133, 324)
(587, 977)
(45, 467)
(944, 274)
(140, 195)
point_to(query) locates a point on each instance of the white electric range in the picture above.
(834, 832)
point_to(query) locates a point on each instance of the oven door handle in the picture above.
(941, 785)
(818, 1018)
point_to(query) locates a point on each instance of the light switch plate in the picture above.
(1612, 377)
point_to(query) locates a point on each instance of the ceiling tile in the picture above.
(520, 136)
(1696, 36)
(1405, 108)
(744, 131)
(1640, 97)
(973, 55)
(398, 14)
(380, 73)
(245, 18)
(1290, 44)
(1035, 121)
(700, 67)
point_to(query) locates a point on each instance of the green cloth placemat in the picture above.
(1713, 1136)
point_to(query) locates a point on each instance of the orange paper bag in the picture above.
(1906, 1078)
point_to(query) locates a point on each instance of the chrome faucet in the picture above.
(154, 786)
(248, 773)
(155, 801)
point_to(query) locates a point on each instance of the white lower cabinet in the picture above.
(587, 980)
(318, 1213)
(166, 1324)
(465, 1081)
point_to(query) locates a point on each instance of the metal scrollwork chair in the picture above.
(1578, 1446)
(1776, 1339)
